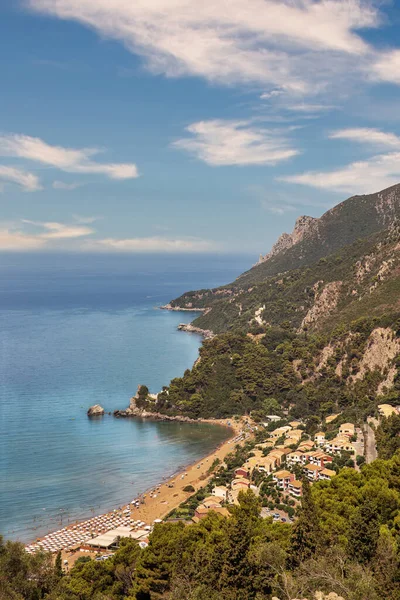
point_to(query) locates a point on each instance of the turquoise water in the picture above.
(75, 331)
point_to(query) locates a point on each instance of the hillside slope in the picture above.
(349, 280)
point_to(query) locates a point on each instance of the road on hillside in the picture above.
(369, 444)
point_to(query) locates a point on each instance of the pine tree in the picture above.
(364, 533)
(306, 533)
(58, 570)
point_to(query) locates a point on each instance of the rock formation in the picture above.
(95, 411)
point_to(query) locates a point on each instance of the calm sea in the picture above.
(81, 330)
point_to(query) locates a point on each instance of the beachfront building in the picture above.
(240, 484)
(242, 472)
(220, 491)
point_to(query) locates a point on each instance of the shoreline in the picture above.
(155, 503)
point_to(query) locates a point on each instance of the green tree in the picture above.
(364, 532)
(306, 534)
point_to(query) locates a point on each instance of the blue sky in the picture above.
(178, 126)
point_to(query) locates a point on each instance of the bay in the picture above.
(80, 330)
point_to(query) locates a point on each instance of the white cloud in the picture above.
(66, 159)
(62, 185)
(38, 235)
(309, 108)
(359, 177)
(58, 231)
(386, 67)
(27, 234)
(153, 244)
(269, 42)
(221, 143)
(18, 241)
(29, 182)
(365, 135)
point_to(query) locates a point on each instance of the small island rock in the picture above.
(95, 411)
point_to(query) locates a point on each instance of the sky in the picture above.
(180, 126)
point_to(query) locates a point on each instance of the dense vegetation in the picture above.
(283, 371)
(345, 539)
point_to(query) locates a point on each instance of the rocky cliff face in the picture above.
(313, 238)
(305, 226)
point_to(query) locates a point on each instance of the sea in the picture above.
(78, 330)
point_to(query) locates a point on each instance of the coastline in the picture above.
(155, 503)
(170, 494)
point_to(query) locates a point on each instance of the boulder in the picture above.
(95, 411)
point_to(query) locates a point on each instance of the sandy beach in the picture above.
(156, 503)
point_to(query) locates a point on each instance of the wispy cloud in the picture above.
(29, 182)
(62, 185)
(35, 235)
(66, 159)
(284, 44)
(359, 177)
(222, 143)
(370, 136)
(153, 244)
(79, 235)
(377, 172)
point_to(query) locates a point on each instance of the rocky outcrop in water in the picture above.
(189, 328)
(95, 411)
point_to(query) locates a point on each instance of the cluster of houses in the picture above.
(313, 457)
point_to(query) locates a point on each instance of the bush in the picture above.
(188, 488)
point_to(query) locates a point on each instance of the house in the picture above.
(326, 474)
(312, 471)
(240, 484)
(347, 429)
(211, 502)
(272, 419)
(220, 491)
(338, 444)
(201, 512)
(295, 458)
(320, 459)
(295, 424)
(306, 445)
(278, 454)
(283, 479)
(242, 472)
(319, 438)
(295, 488)
(277, 433)
(385, 410)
